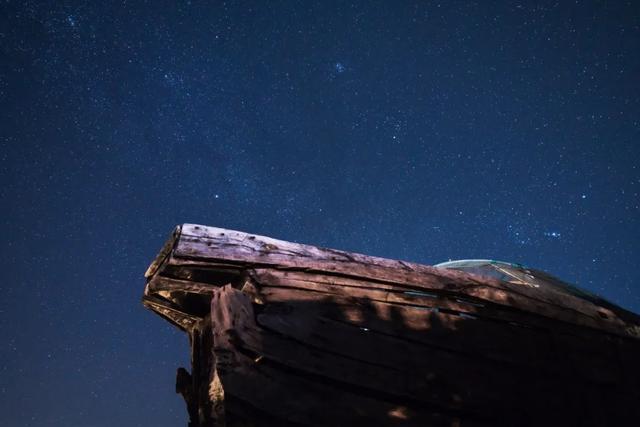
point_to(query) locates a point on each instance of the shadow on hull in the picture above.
(288, 334)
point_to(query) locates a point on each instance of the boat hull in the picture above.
(287, 334)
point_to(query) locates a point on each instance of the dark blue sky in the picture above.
(422, 131)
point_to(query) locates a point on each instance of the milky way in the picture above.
(424, 132)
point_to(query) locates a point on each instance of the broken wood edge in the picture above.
(175, 316)
(300, 258)
(204, 245)
(164, 253)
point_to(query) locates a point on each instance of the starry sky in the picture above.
(422, 131)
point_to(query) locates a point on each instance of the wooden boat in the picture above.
(289, 334)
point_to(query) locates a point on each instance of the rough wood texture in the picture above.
(290, 334)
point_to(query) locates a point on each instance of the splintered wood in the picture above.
(289, 334)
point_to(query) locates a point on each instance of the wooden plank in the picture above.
(165, 252)
(448, 330)
(168, 284)
(289, 394)
(477, 385)
(303, 400)
(170, 312)
(197, 243)
(301, 367)
(471, 302)
(467, 378)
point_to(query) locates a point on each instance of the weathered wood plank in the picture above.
(449, 330)
(300, 367)
(197, 243)
(371, 291)
(159, 284)
(458, 375)
(165, 253)
(293, 396)
(477, 294)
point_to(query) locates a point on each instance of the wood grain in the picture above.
(288, 334)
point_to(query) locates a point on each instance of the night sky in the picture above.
(422, 131)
